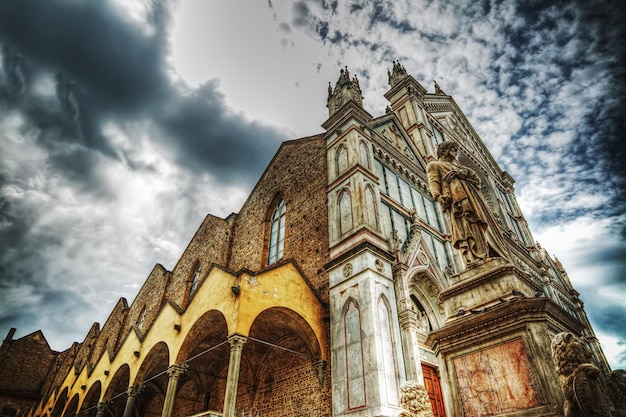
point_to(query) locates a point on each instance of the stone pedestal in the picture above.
(495, 343)
(485, 285)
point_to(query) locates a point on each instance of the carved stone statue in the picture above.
(580, 382)
(395, 241)
(456, 188)
(414, 400)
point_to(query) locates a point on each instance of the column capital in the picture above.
(237, 341)
(408, 319)
(134, 390)
(176, 370)
(320, 369)
(399, 269)
(101, 408)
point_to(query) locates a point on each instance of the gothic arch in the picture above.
(59, 405)
(207, 331)
(425, 288)
(275, 218)
(341, 159)
(364, 154)
(72, 407)
(371, 207)
(156, 361)
(118, 384)
(344, 206)
(91, 400)
(354, 358)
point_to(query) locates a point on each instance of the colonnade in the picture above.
(174, 373)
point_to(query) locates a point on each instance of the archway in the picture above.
(153, 379)
(281, 372)
(206, 355)
(71, 408)
(59, 406)
(116, 391)
(89, 407)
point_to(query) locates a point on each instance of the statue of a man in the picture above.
(456, 188)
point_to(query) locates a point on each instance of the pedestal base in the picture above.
(484, 285)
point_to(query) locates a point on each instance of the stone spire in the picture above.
(346, 90)
(397, 74)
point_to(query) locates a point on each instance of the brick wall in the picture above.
(208, 246)
(298, 171)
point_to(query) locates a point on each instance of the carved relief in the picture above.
(422, 257)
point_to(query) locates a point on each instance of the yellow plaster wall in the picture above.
(283, 286)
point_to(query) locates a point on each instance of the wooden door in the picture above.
(431, 382)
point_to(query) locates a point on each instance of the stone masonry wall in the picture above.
(208, 246)
(298, 171)
(25, 362)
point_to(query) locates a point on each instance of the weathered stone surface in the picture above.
(496, 380)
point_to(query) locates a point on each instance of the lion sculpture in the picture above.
(414, 400)
(580, 379)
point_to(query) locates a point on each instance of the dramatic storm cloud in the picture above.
(122, 124)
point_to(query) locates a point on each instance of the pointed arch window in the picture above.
(345, 211)
(342, 159)
(277, 233)
(364, 154)
(371, 213)
(195, 278)
(142, 319)
(354, 361)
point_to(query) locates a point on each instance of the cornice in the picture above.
(504, 318)
(484, 277)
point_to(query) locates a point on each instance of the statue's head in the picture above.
(568, 352)
(444, 147)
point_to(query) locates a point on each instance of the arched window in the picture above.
(364, 155)
(195, 278)
(345, 211)
(371, 212)
(342, 159)
(277, 233)
(142, 319)
(355, 373)
(386, 345)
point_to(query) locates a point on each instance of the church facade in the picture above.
(348, 274)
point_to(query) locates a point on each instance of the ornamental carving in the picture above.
(422, 258)
(347, 270)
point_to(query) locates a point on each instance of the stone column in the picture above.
(408, 325)
(133, 392)
(101, 408)
(230, 396)
(174, 372)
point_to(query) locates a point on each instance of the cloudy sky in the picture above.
(123, 123)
